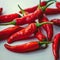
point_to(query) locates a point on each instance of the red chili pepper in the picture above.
(27, 47)
(27, 19)
(55, 46)
(30, 18)
(25, 33)
(48, 11)
(56, 22)
(58, 5)
(48, 28)
(40, 36)
(1, 9)
(32, 9)
(51, 11)
(8, 18)
(4, 34)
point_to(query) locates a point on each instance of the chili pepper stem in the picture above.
(45, 42)
(23, 12)
(14, 23)
(40, 24)
(48, 4)
(10, 23)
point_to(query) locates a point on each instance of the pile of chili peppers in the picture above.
(29, 16)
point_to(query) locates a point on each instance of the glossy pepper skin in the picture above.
(26, 32)
(4, 34)
(51, 11)
(48, 28)
(48, 11)
(30, 18)
(32, 9)
(55, 46)
(8, 18)
(23, 34)
(56, 22)
(1, 9)
(58, 5)
(40, 36)
(30, 46)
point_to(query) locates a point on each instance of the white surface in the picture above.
(10, 6)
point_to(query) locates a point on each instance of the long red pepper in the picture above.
(4, 34)
(32, 9)
(27, 47)
(40, 36)
(30, 18)
(58, 5)
(1, 9)
(8, 18)
(25, 33)
(51, 11)
(48, 28)
(48, 11)
(56, 22)
(55, 46)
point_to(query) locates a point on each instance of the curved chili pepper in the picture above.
(48, 28)
(27, 19)
(1, 9)
(26, 32)
(32, 9)
(58, 5)
(30, 18)
(55, 46)
(56, 22)
(40, 36)
(8, 18)
(4, 34)
(23, 34)
(48, 11)
(27, 47)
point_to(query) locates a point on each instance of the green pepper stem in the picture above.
(9, 23)
(40, 24)
(45, 42)
(14, 23)
(47, 5)
(23, 12)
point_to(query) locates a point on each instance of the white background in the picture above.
(10, 6)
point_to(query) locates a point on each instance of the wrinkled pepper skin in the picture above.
(58, 5)
(55, 46)
(1, 9)
(40, 36)
(56, 22)
(4, 34)
(27, 47)
(23, 34)
(48, 28)
(8, 18)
